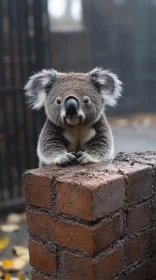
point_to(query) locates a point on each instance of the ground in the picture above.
(18, 238)
(135, 133)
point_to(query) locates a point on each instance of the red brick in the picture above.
(38, 224)
(153, 240)
(78, 268)
(152, 268)
(118, 278)
(101, 193)
(90, 198)
(139, 184)
(42, 257)
(89, 239)
(73, 267)
(139, 178)
(38, 184)
(71, 235)
(36, 276)
(138, 273)
(138, 217)
(137, 248)
(109, 232)
(109, 265)
(38, 189)
(154, 178)
(153, 204)
(74, 201)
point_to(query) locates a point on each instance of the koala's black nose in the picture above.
(71, 106)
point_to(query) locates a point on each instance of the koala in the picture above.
(76, 129)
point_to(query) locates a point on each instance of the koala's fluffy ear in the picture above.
(38, 86)
(107, 83)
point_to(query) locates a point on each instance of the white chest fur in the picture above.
(78, 136)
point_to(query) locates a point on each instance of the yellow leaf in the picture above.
(7, 277)
(4, 241)
(9, 228)
(21, 276)
(15, 264)
(1, 274)
(7, 264)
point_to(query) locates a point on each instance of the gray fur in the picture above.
(88, 138)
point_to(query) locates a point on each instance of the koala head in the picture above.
(71, 99)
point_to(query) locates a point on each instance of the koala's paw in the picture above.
(66, 159)
(84, 158)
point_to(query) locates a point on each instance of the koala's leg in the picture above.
(100, 147)
(52, 147)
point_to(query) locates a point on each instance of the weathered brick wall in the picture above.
(93, 222)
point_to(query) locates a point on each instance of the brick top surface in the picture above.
(127, 162)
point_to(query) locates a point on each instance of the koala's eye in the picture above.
(86, 100)
(58, 101)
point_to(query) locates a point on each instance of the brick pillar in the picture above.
(93, 222)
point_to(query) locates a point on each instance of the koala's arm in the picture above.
(101, 146)
(52, 146)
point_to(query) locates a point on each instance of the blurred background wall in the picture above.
(117, 34)
(69, 35)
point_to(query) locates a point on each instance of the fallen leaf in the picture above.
(19, 263)
(7, 277)
(15, 264)
(21, 252)
(1, 274)
(4, 241)
(13, 218)
(20, 276)
(7, 264)
(9, 228)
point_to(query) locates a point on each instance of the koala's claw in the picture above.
(67, 159)
(79, 154)
(74, 154)
(84, 158)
